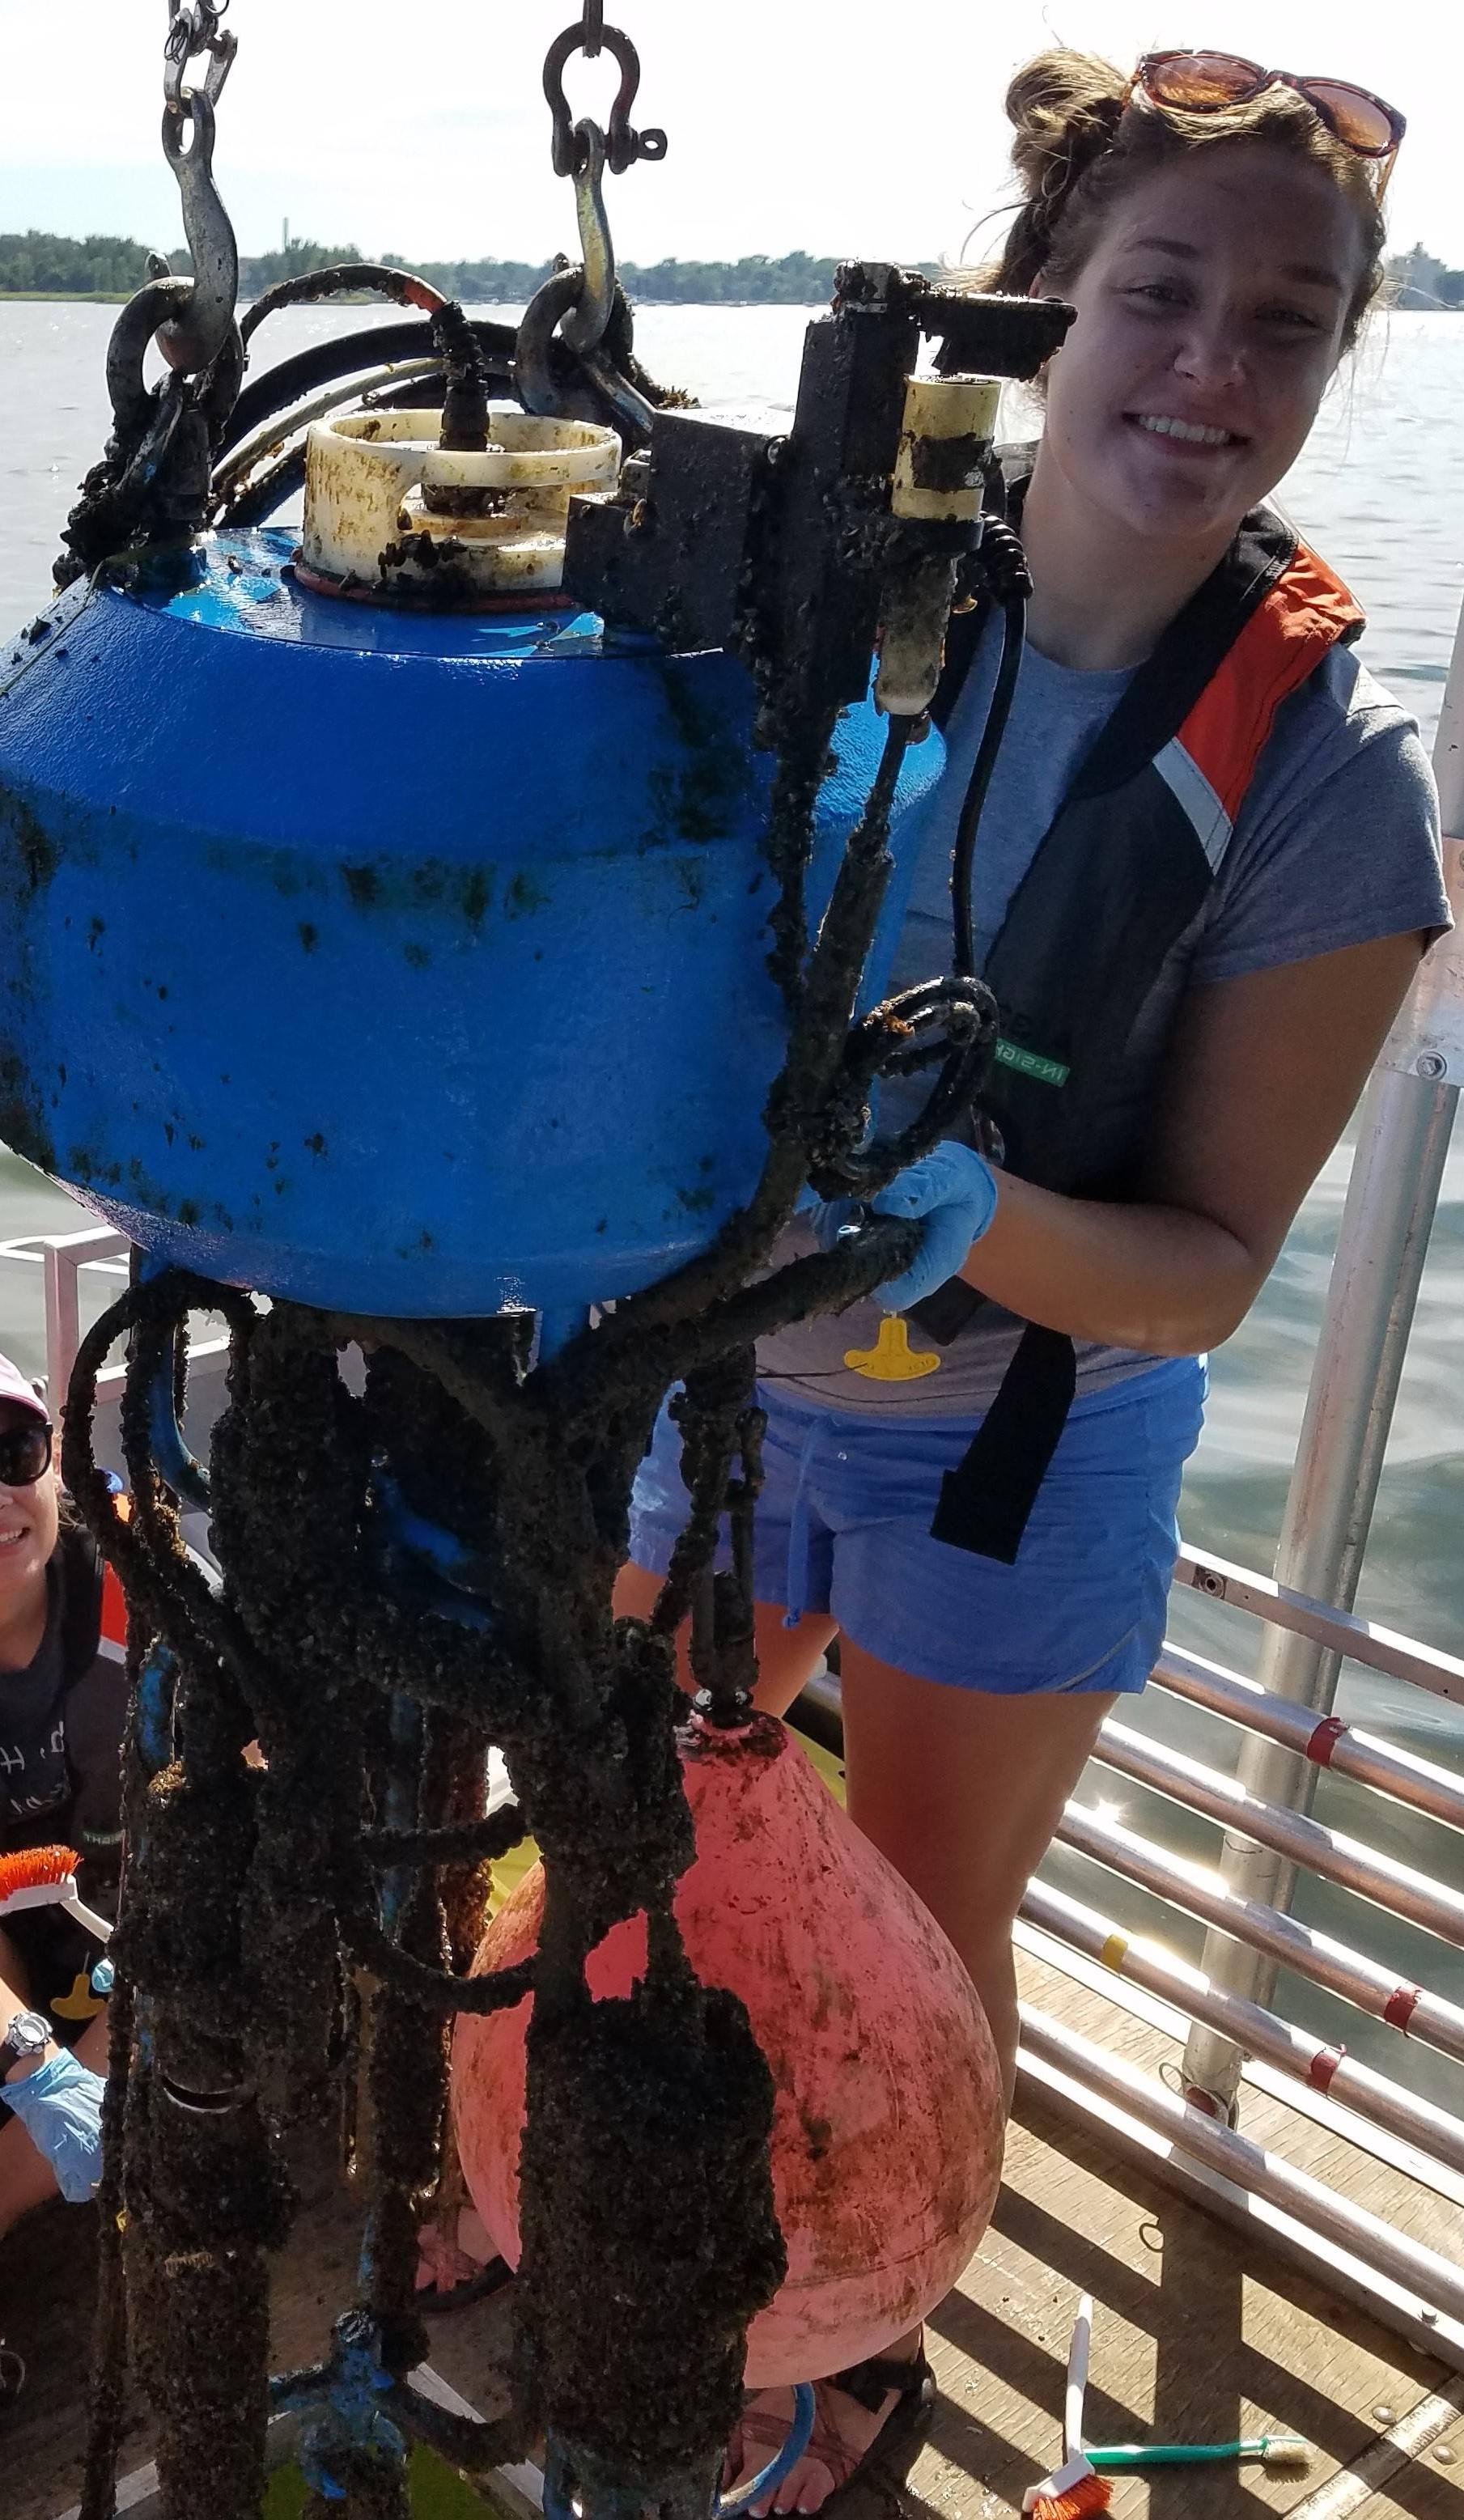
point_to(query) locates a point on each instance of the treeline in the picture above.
(1418, 282)
(758, 279)
(52, 266)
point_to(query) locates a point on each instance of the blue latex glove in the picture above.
(954, 1189)
(60, 2107)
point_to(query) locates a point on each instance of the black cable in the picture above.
(340, 280)
(293, 380)
(465, 410)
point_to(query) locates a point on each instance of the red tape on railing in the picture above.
(1323, 2066)
(1324, 1740)
(1401, 2005)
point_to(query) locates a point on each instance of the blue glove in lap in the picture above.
(955, 1190)
(60, 2107)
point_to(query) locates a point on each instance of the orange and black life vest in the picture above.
(1120, 876)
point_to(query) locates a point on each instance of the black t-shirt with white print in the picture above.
(60, 1757)
(34, 1778)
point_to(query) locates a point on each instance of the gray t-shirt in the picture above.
(1337, 843)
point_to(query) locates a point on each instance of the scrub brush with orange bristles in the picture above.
(1075, 2490)
(45, 1877)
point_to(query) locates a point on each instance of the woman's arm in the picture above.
(1263, 1073)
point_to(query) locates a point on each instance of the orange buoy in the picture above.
(888, 2131)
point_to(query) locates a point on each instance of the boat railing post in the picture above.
(1405, 1120)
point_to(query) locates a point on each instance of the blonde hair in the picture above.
(1079, 150)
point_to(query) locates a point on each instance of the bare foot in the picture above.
(452, 2252)
(843, 2431)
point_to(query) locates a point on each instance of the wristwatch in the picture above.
(28, 2035)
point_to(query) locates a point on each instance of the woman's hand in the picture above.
(60, 2106)
(1262, 1076)
(953, 1188)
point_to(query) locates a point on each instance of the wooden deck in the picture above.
(1200, 2333)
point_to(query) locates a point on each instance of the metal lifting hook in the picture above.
(584, 326)
(192, 340)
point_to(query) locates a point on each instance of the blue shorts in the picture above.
(844, 1527)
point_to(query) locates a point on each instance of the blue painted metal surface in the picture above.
(410, 965)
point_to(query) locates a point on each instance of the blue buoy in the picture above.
(402, 964)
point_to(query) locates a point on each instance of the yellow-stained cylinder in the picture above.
(945, 443)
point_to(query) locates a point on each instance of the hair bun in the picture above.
(1065, 108)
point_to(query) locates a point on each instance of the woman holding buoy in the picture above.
(1208, 869)
(63, 1706)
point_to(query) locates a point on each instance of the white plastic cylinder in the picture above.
(493, 519)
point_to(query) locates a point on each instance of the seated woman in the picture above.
(63, 1705)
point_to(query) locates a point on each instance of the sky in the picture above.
(843, 126)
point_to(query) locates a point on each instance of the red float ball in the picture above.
(888, 2132)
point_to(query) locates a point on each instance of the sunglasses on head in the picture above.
(24, 1453)
(1210, 82)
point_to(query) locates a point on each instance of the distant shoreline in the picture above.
(360, 297)
(103, 270)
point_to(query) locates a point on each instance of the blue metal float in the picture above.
(407, 963)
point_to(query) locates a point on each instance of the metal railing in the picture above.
(1194, 1890)
(60, 1259)
(1408, 1117)
(1257, 2032)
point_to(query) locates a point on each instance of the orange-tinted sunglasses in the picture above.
(1210, 83)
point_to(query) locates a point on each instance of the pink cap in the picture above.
(18, 1387)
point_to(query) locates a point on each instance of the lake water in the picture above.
(1380, 489)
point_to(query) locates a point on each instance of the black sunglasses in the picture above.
(24, 1453)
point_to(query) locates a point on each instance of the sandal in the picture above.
(868, 2383)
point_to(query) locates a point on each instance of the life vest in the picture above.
(1124, 869)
